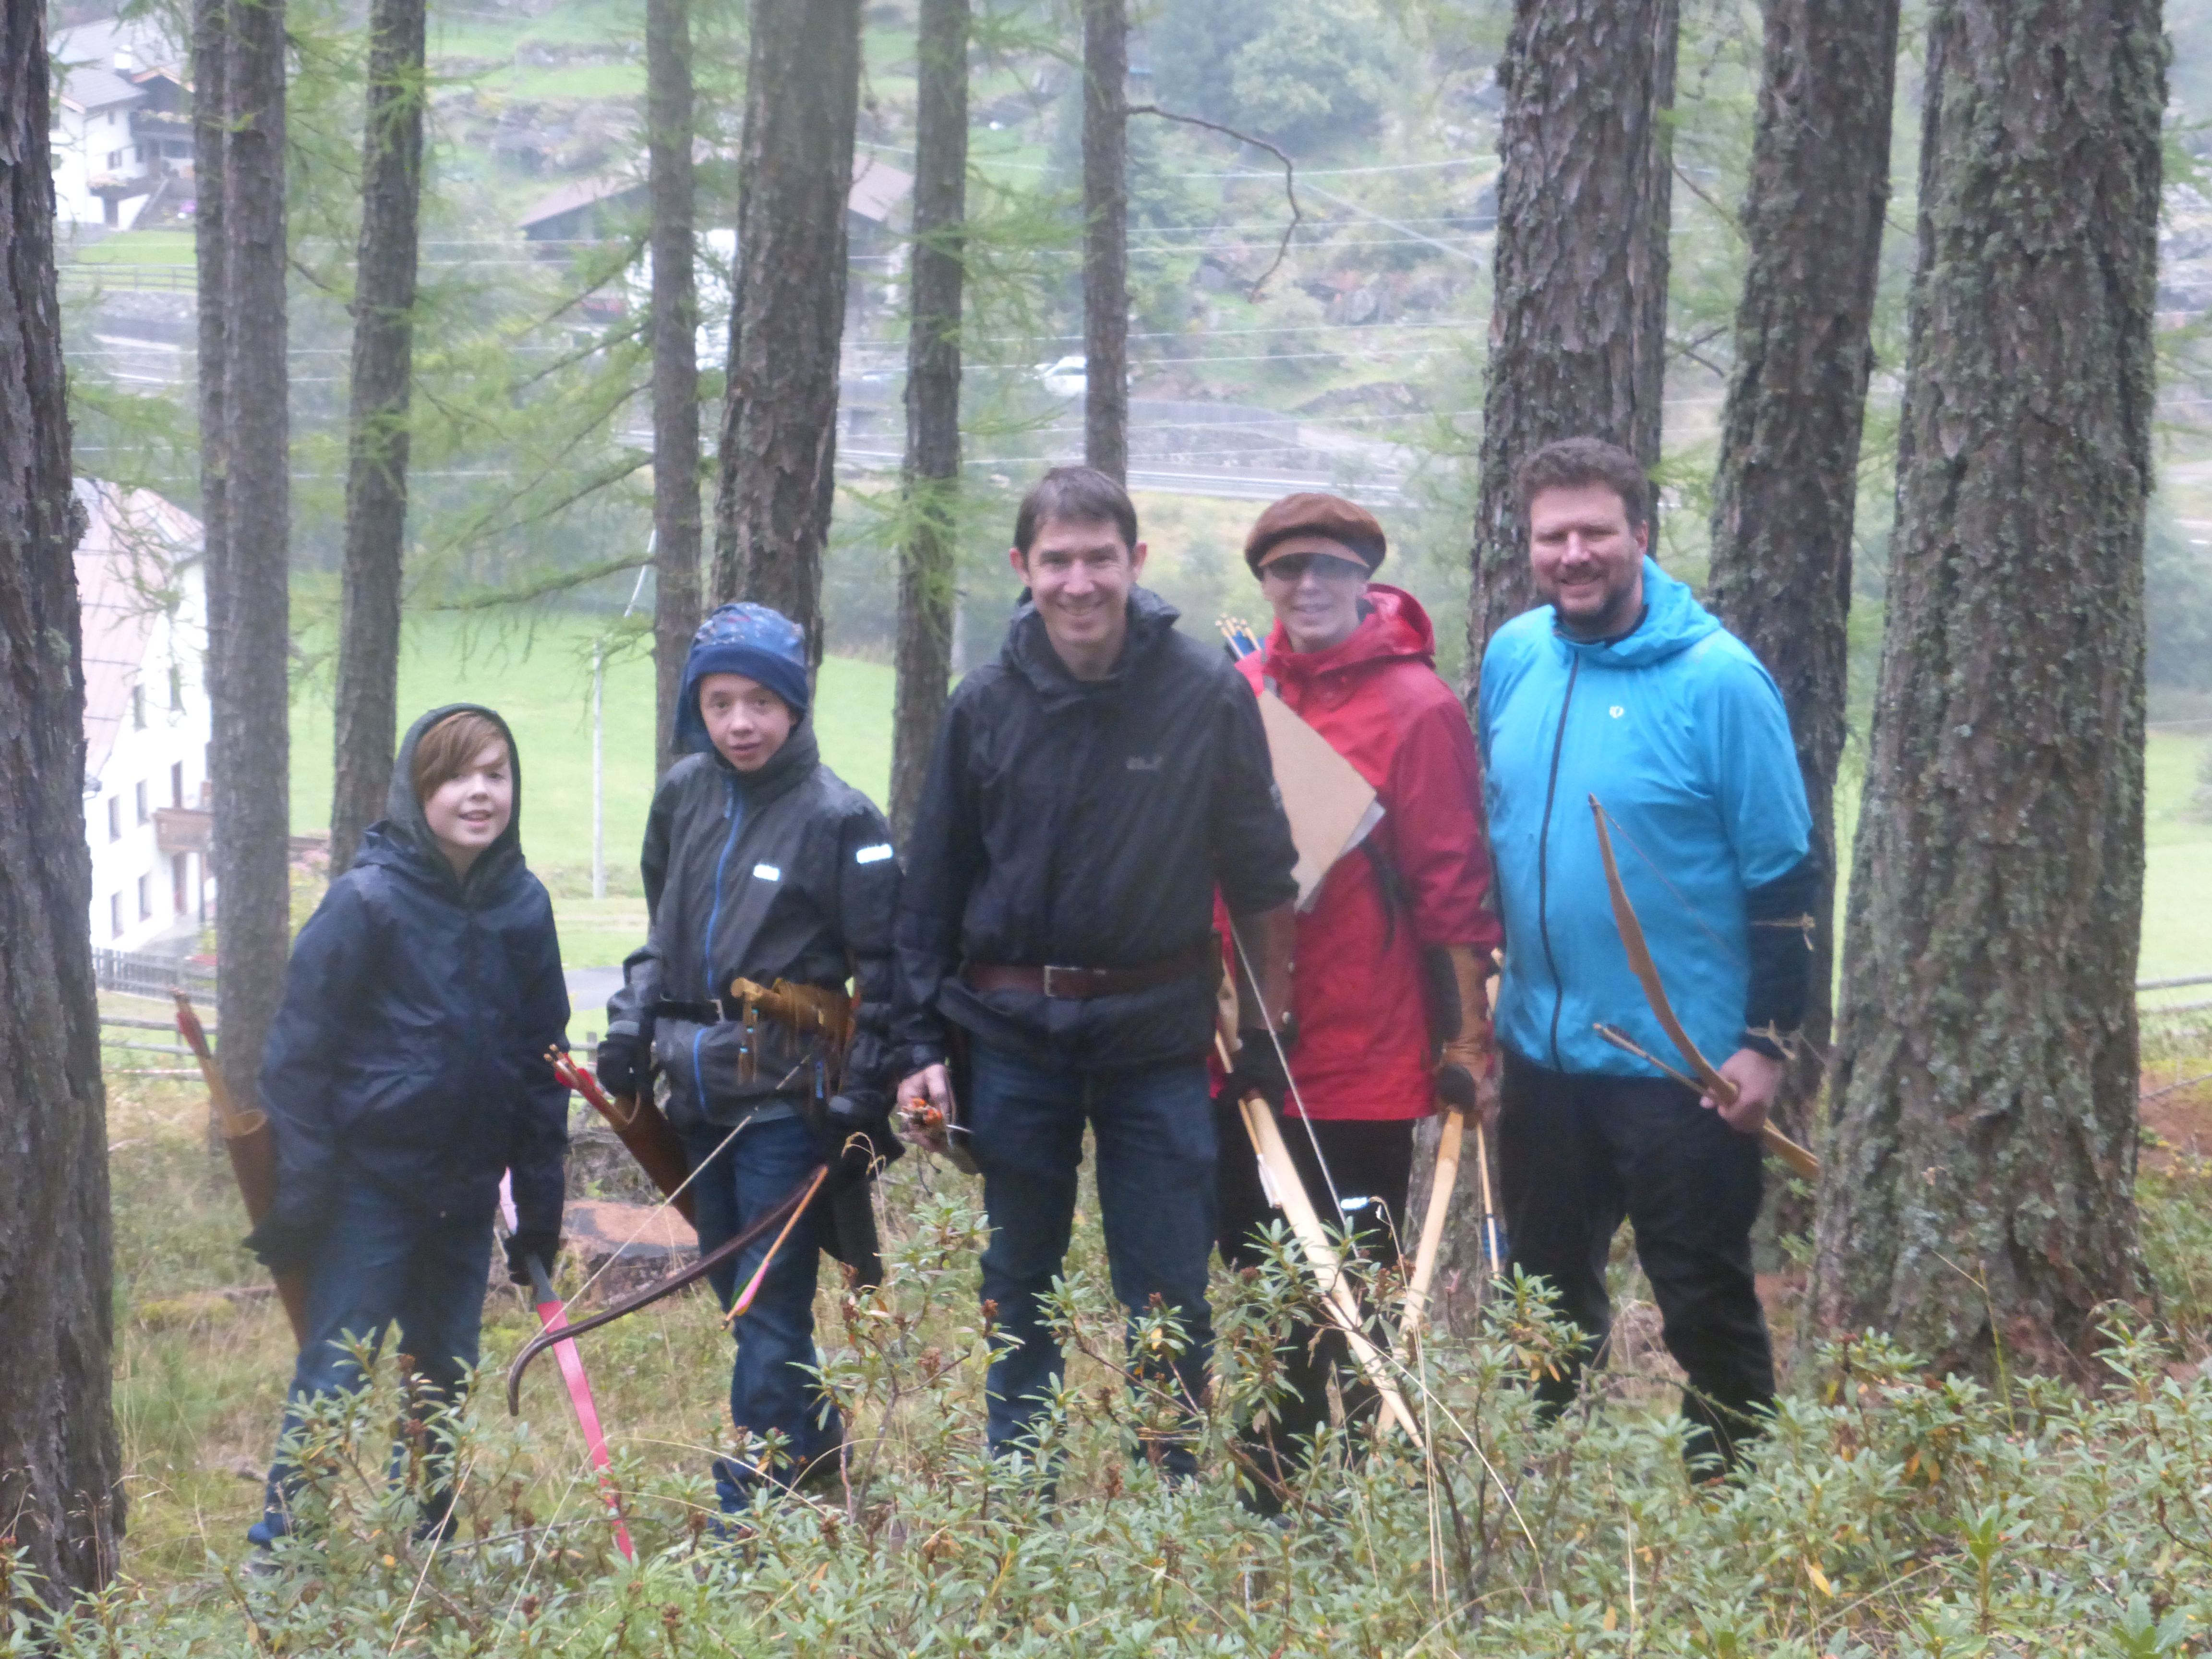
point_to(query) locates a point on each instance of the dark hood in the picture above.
(1028, 650)
(402, 835)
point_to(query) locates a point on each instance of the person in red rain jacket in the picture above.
(1391, 958)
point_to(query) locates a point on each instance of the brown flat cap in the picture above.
(1312, 513)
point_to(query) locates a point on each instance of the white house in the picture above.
(121, 124)
(146, 721)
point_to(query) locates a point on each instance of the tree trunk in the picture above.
(779, 444)
(1788, 481)
(1106, 237)
(932, 474)
(1578, 330)
(210, 142)
(1978, 1205)
(59, 1459)
(367, 709)
(249, 633)
(676, 527)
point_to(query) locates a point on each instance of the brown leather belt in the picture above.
(1077, 983)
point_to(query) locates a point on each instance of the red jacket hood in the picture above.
(1395, 629)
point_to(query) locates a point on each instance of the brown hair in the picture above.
(1074, 495)
(1572, 463)
(450, 747)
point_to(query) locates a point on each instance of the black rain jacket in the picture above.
(784, 874)
(410, 1051)
(1086, 823)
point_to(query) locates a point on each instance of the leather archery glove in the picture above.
(861, 1141)
(620, 1062)
(1468, 1052)
(1260, 1069)
(521, 1245)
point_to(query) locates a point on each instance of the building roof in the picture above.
(100, 41)
(88, 86)
(137, 548)
(878, 188)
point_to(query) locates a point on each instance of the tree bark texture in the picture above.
(59, 1459)
(249, 632)
(1788, 481)
(676, 527)
(210, 141)
(368, 704)
(1106, 237)
(1579, 312)
(779, 442)
(931, 473)
(1979, 1190)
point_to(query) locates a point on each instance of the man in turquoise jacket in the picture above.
(1624, 689)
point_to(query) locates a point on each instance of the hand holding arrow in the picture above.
(1704, 1074)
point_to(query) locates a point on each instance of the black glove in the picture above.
(544, 1242)
(285, 1244)
(861, 1141)
(620, 1062)
(1259, 1069)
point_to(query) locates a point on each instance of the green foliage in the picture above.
(1303, 76)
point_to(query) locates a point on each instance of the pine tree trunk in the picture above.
(367, 705)
(1781, 575)
(1979, 1204)
(249, 631)
(59, 1461)
(932, 474)
(210, 141)
(1106, 237)
(676, 527)
(1578, 314)
(779, 443)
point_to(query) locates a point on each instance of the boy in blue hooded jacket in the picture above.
(1624, 688)
(406, 1072)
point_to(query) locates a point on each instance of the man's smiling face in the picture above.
(1587, 559)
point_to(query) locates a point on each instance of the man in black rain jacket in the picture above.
(761, 864)
(1087, 793)
(406, 1071)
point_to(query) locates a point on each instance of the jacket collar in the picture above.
(1028, 651)
(788, 768)
(1395, 629)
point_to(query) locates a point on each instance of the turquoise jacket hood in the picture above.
(1679, 733)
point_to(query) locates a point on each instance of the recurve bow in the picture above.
(1704, 1071)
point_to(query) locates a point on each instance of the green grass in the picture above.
(540, 680)
(2177, 930)
(138, 247)
(570, 80)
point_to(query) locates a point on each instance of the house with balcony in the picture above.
(121, 124)
(147, 726)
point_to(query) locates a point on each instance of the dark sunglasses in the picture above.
(1292, 566)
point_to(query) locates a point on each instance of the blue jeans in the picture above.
(769, 1389)
(381, 1263)
(1156, 1196)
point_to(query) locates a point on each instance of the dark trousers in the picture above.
(1371, 1163)
(1155, 1153)
(1576, 1154)
(771, 1387)
(379, 1264)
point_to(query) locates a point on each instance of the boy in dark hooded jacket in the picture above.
(406, 1073)
(761, 865)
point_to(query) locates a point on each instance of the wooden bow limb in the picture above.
(252, 1144)
(737, 1308)
(728, 1251)
(1704, 1075)
(1338, 1303)
(1432, 1224)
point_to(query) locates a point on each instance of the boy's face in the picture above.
(746, 721)
(469, 812)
